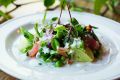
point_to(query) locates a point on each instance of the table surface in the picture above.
(4, 76)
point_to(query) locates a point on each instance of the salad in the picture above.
(61, 44)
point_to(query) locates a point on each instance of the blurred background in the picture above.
(15, 8)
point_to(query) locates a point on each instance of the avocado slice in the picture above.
(83, 55)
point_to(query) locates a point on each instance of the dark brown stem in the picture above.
(12, 10)
(60, 16)
(69, 33)
(68, 6)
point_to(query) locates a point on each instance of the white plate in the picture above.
(11, 65)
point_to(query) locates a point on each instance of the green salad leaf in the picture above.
(25, 46)
(53, 52)
(36, 29)
(74, 22)
(43, 43)
(39, 34)
(61, 31)
(54, 19)
(77, 28)
(60, 27)
(44, 17)
(27, 35)
(55, 43)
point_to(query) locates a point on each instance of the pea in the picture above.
(59, 64)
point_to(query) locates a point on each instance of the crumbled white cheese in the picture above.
(76, 43)
(46, 50)
(66, 45)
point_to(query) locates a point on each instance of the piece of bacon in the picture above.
(70, 62)
(32, 53)
(92, 43)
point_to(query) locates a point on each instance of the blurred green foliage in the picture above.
(98, 5)
(111, 5)
(6, 2)
(5, 16)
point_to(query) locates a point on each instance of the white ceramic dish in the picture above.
(10, 64)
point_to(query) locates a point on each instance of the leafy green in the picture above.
(74, 22)
(25, 46)
(27, 35)
(60, 27)
(45, 57)
(48, 60)
(77, 28)
(39, 34)
(42, 55)
(61, 31)
(98, 5)
(6, 2)
(41, 50)
(36, 29)
(59, 64)
(43, 43)
(44, 17)
(54, 19)
(48, 3)
(54, 43)
(53, 52)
